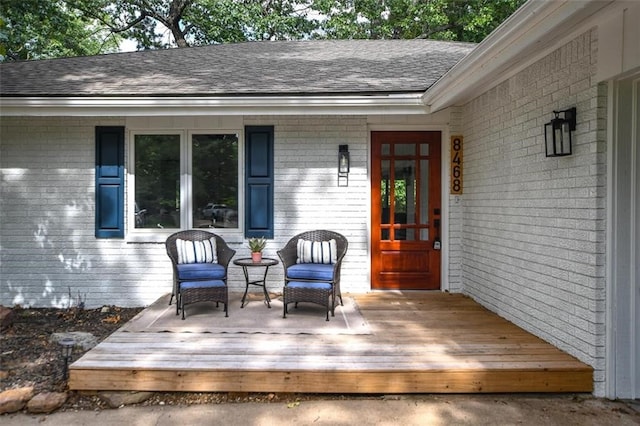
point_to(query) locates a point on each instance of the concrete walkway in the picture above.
(562, 410)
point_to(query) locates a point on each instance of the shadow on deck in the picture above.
(413, 342)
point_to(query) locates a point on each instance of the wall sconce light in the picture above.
(343, 165)
(66, 345)
(343, 159)
(557, 133)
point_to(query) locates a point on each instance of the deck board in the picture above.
(422, 342)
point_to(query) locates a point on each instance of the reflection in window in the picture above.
(404, 191)
(215, 181)
(385, 193)
(210, 190)
(424, 192)
(157, 184)
(405, 149)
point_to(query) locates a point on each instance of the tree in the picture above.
(469, 20)
(36, 29)
(199, 22)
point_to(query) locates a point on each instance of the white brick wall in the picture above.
(47, 229)
(533, 228)
(456, 203)
(307, 195)
(47, 243)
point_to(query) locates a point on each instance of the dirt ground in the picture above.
(28, 357)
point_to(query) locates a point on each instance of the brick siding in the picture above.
(533, 228)
(50, 256)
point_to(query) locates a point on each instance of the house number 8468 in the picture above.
(456, 164)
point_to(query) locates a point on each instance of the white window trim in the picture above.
(154, 235)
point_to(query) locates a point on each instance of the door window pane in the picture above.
(157, 181)
(424, 192)
(404, 192)
(424, 149)
(405, 149)
(215, 181)
(385, 191)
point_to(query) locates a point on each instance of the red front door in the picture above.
(405, 197)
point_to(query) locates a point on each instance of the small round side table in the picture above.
(247, 263)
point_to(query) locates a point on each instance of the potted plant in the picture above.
(257, 245)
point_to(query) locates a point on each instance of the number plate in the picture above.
(456, 165)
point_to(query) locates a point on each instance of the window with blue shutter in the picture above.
(259, 181)
(110, 182)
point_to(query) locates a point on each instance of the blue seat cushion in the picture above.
(201, 284)
(311, 271)
(309, 285)
(201, 271)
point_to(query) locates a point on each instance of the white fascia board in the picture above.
(536, 26)
(393, 104)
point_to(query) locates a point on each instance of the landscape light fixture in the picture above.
(66, 344)
(557, 133)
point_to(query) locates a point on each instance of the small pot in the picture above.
(256, 256)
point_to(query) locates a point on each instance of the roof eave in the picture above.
(534, 28)
(389, 104)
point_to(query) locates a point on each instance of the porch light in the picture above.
(557, 133)
(66, 345)
(343, 159)
(343, 165)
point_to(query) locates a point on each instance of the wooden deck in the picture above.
(421, 342)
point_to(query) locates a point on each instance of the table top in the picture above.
(247, 261)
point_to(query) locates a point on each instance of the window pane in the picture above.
(405, 149)
(385, 191)
(157, 181)
(410, 235)
(404, 192)
(424, 191)
(215, 181)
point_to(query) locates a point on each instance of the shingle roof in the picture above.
(252, 68)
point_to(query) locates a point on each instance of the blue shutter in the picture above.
(109, 182)
(259, 181)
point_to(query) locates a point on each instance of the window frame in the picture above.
(186, 187)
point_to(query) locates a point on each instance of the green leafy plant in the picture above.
(257, 244)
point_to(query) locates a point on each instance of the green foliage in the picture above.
(36, 29)
(223, 21)
(469, 20)
(257, 244)
(199, 22)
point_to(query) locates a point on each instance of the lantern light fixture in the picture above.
(343, 165)
(343, 159)
(66, 345)
(557, 133)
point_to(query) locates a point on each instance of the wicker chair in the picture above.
(199, 282)
(309, 282)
